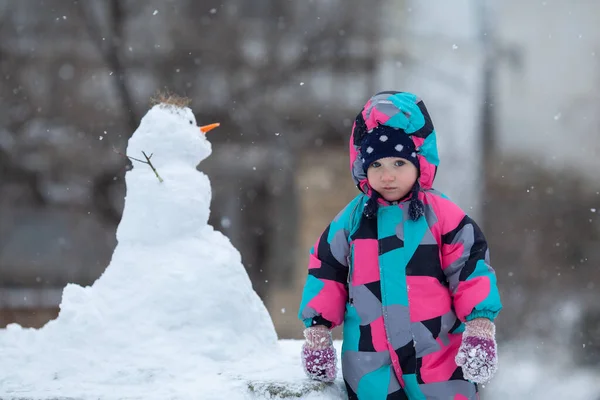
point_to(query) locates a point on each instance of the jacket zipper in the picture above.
(349, 280)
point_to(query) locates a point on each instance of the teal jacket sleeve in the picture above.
(466, 264)
(325, 293)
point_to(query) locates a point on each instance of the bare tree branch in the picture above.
(111, 51)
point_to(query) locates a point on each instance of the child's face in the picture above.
(392, 177)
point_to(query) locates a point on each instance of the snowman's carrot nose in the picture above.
(206, 128)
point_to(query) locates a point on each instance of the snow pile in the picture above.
(174, 315)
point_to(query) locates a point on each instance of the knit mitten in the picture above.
(318, 354)
(477, 354)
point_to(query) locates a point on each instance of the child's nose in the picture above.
(387, 176)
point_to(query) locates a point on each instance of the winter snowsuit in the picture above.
(402, 288)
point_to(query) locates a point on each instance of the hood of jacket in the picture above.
(407, 113)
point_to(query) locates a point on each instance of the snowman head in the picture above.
(170, 134)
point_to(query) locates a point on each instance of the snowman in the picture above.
(186, 277)
(173, 310)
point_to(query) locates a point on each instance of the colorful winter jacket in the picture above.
(401, 288)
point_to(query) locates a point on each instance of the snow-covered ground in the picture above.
(165, 372)
(272, 375)
(535, 371)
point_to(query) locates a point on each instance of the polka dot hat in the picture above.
(384, 141)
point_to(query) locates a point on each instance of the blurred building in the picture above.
(547, 61)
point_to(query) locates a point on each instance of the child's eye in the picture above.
(399, 163)
(376, 164)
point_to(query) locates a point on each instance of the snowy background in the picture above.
(519, 146)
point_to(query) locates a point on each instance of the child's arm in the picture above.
(465, 260)
(325, 293)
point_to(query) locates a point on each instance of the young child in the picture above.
(403, 268)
